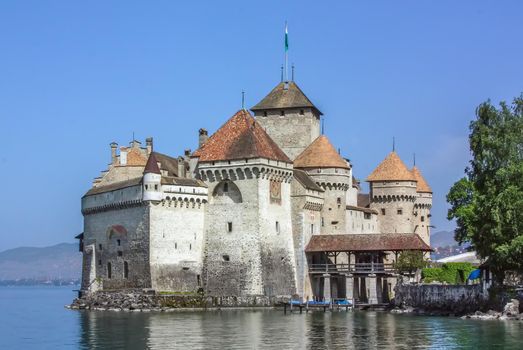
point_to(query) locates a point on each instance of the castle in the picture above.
(265, 206)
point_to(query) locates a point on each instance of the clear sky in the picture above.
(75, 76)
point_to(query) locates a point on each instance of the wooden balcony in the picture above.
(357, 268)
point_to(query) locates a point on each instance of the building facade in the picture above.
(265, 206)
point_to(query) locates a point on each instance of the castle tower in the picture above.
(248, 227)
(333, 174)
(289, 118)
(152, 179)
(392, 195)
(422, 206)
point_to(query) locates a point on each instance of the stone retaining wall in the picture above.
(455, 299)
(137, 300)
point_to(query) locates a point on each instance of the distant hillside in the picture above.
(442, 239)
(62, 261)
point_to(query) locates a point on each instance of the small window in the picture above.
(312, 229)
(366, 216)
(109, 272)
(175, 245)
(146, 187)
(400, 211)
(422, 218)
(100, 246)
(382, 211)
(118, 242)
(277, 227)
(125, 270)
(225, 187)
(302, 112)
(322, 222)
(120, 253)
(229, 226)
(338, 200)
(264, 113)
(156, 187)
(282, 113)
(198, 280)
(100, 262)
(190, 246)
(226, 258)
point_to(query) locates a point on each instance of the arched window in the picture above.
(109, 272)
(227, 192)
(125, 270)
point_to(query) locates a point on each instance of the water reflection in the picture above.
(230, 329)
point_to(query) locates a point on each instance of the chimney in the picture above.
(149, 144)
(181, 167)
(114, 146)
(203, 137)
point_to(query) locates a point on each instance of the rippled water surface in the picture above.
(34, 318)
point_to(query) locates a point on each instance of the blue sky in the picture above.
(75, 76)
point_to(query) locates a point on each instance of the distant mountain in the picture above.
(59, 262)
(442, 239)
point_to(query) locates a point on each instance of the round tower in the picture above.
(422, 206)
(152, 180)
(333, 174)
(393, 195)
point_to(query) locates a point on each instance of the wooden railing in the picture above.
(352, 268)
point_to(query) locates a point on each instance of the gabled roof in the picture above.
(366, 242)
(320, 154)
(422, 185)
(241, 137)
(114, 186)
(285, 95)
(391, 169)
(152, 165)
(306, 181)
(167, 163)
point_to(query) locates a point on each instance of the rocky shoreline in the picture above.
(510, 312)
(140, 301)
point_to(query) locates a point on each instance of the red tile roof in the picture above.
(422, 185)
(391, 169)
(320, 154)
(366, 242)
(241, 137)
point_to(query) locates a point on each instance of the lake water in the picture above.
(35, 318)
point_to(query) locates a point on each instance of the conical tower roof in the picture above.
(391, 168)
(152, 165)
(320, 154)
(285, 95)
(422, 185)
(241, 137)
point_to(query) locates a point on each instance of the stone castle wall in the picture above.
(293, 132)
(397, 200)
(129, 246)
(176, 245)
(335, 183)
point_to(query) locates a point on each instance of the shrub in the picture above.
(451, 273)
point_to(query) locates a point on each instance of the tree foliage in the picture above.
(409, 261)
(487, 203)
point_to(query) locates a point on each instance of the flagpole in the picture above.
(286, 55)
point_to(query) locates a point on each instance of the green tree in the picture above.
(487, 203)
(409, 261)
